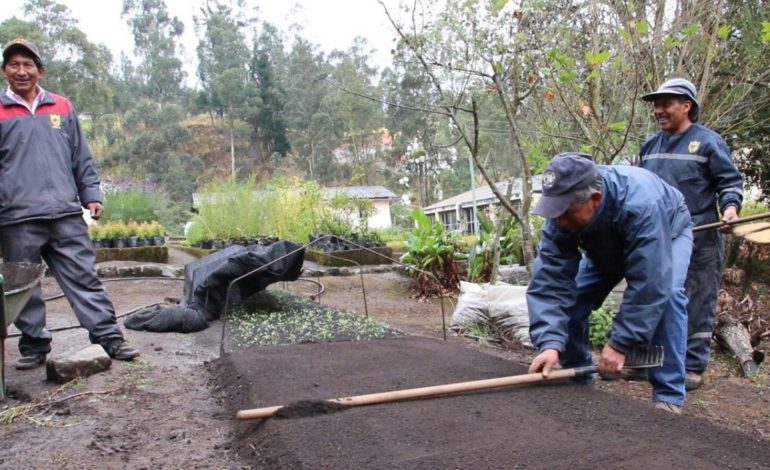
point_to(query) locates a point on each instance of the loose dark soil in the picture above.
(175, 407)
(545, 426)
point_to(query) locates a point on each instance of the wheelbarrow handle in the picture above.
(722, 223)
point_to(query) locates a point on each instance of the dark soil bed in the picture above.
(538, 426)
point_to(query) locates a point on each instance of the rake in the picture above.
(637, 358)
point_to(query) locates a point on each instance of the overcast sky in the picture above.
(332, 24)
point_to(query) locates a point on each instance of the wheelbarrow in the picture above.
(16, 283)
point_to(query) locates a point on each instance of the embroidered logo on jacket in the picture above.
(694, 146)
(55, 121)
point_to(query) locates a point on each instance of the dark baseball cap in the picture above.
(566, 173)
(678, 87)
(20, 43)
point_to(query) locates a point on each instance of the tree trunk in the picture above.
(232, 154)
(312, 161)
(502, 219)
(735, 337)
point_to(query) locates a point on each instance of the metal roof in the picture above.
(361, 192)
(484, 195)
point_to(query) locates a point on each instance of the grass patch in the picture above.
(482, 333)
(274, 317)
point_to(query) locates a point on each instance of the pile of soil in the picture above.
(552, 426)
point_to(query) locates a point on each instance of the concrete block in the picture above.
(82, 363)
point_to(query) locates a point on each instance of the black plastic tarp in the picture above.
(206, 283)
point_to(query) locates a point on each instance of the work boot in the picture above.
(692, 380)
(30, 362)
(669, 407)
(120, 350)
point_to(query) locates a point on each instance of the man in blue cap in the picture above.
(607, 223)
(695, 160)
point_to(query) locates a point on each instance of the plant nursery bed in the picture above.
(554, 426)
(195, 251)
(174, 407)
(275, 316)
(379, 255)
(150, 254)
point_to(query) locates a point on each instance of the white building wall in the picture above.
(381, 216)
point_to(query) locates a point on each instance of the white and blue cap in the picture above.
(678, 87)
(566, 173)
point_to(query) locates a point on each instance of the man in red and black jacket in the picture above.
(47, 174)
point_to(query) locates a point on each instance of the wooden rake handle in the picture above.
(742, 220)
(446, 389)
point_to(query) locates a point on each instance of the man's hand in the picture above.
(96, 209)
(611, 361)
(730, 214)
(544, 362)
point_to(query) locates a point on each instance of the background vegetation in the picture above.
(503, 84)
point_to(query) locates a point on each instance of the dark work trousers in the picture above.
(65, 246)
(702, 286)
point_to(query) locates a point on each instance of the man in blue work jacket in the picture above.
(47, 177)
(607, 223)
(695, 160)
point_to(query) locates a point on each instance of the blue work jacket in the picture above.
(629, 236)
(697, 162)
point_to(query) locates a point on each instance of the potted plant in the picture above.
(96, 232)
(132, 229)
(144, 236)
(108, 235)
(158, 233)
(120, 232)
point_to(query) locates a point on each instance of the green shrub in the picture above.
(753, 208)
(96, 232)
(196, 233)
(600, 323)
(510, 242)
(480, 254)
(287, 208)
(432, 249)
(337, 218)
(131, 205)
(392, 234)
(401, 215)
(117, 229)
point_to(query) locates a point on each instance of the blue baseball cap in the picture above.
(566, 173)
(678, 87)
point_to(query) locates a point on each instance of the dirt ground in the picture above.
(174, 408)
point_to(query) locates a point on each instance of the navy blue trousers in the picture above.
(66, 248)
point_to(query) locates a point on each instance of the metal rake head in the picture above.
(642, 357)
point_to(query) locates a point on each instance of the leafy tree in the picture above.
(355, 110)
(308, 120)
(469, 52)
(269, 122)
(222, 53)
(419, 149)
(75, 67)
(156, 36)
(152, 150)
